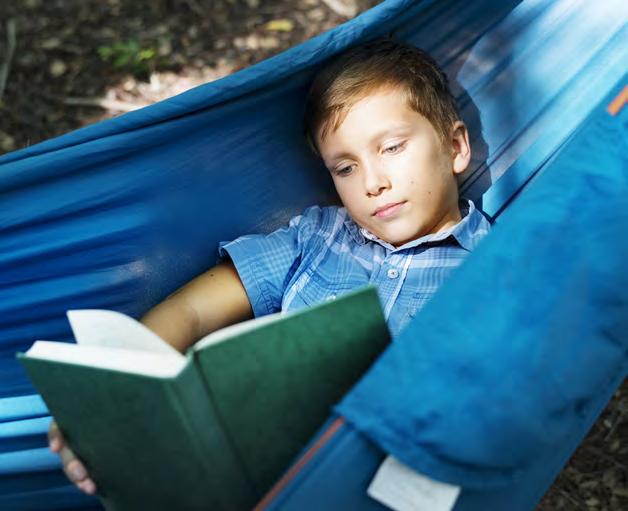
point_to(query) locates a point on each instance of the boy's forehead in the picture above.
(349, 102)
(372, 115)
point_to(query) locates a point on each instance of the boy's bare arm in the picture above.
(211, 301)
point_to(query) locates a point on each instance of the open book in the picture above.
(212, 429)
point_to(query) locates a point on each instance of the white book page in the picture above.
(130, 361)
(239, 328)
(95, 327)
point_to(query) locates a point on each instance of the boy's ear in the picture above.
(461, 148)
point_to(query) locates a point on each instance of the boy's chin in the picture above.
(396, 232)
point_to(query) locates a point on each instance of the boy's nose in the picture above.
(375, 180)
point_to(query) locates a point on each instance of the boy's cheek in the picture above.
(358, 216)
(348, 195)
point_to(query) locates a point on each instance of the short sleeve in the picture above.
(267, 262)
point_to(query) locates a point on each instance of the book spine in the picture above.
(224, 470)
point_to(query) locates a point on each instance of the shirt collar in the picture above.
(354, 231)
(468, 232)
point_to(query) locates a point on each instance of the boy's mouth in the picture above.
(388, 210)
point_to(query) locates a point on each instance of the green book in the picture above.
(213, 429)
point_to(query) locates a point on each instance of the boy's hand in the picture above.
(73, 468)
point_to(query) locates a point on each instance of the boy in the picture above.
(385, 124)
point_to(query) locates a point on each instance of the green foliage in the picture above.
(130, 56)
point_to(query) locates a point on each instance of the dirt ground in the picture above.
(69, 63)
(78, 61)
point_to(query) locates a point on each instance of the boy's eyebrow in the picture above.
(378, 135)
(391, 129)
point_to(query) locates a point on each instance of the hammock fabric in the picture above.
(493, 385)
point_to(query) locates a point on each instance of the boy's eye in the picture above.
(393, 148)
(344, 171)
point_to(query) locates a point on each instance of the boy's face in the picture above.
(391, 170)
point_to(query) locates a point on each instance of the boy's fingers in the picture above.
(76, 471)
(55, 438)
(72, 467)
(55, 444)
(88, 486)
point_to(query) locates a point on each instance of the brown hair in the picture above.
(362, 70)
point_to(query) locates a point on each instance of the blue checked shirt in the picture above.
(322, 254)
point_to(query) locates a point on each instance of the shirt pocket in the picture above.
(417, 301)
(316, 288)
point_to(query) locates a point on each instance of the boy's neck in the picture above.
(449, 219)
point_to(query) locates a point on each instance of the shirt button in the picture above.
(330, 298)
(392, 273)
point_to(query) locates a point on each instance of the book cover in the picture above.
(213, 429)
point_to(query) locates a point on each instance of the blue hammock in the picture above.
(503, 372)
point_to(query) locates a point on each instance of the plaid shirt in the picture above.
(322, 254)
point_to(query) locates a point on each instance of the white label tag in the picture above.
(399, 487)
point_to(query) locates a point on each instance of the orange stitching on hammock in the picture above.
(283, 482)
(617, 104)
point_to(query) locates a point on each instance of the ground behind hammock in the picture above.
(69, 63)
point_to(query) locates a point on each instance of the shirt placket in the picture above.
(388, 277)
